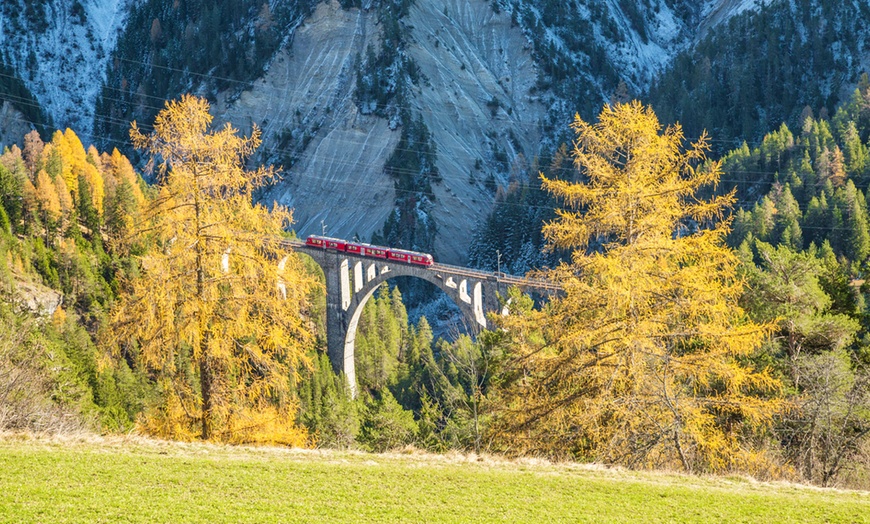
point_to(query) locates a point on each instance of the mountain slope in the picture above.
(399, 119)
(332, 154)
(477, 104)
(171, 47)
(767, 66)
(485, 88)
(59, 49)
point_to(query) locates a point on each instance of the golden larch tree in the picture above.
(70, 149)
(206, 312)
(123, 200)
(48, 202)
(92, 171)
(122, 172)
(646, 360)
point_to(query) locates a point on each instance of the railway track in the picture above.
(454, 270)
(498, 277)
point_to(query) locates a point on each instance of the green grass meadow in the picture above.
(90, 479)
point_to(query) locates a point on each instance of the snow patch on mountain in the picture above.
(60, 49)
(717, 11)
(639, 57)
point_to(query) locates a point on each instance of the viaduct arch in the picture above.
(352, 279)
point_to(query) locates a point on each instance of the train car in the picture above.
(314, 241)
(410, 257)
(368, 250)
(326, 242)
(373, 251)
(336, 244)
(422, 259)
(399, 255)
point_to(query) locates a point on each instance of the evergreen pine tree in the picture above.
(808, 175)
(855, 152)
(787, 220)
(858, 243)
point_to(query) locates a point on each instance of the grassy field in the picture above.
(90, 479)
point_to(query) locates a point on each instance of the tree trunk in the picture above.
(205, 384)
(206, 380)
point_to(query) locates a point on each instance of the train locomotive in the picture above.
(368, 250)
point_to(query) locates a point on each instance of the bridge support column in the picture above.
(477, 305)
(337, 292)
(345, 284)
(358, 277)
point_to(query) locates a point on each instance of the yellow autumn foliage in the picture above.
(206, 312)
(75, 164)
(647, 359)
(122, 171)
(47, 198)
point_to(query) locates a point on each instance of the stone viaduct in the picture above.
(352, 279)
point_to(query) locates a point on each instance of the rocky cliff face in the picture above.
(333, 156)
(468, 58)
(478, 93)
(493, 82)
(476, 74)
(477, 102)
(13, 124)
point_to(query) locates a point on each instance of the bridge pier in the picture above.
(337, 301)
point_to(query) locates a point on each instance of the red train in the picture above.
(368, 250)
